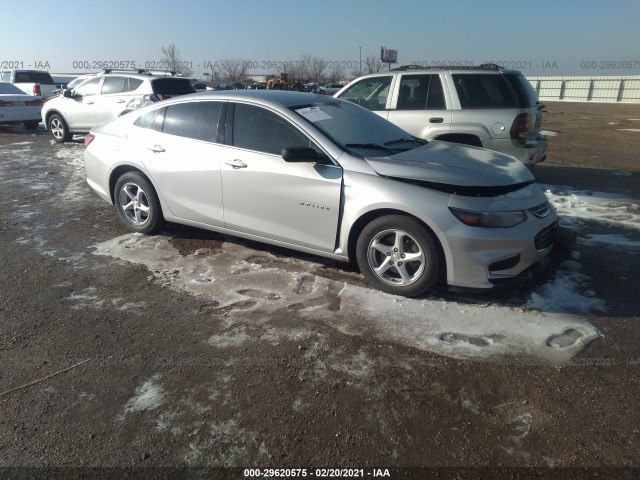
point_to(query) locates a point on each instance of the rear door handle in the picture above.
(156, 149)
(236, 164)
(120, 101)
(436, 120)
(90, 102)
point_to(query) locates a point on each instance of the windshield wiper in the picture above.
(373, 146)
(404, 139)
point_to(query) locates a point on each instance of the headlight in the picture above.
(489, 219)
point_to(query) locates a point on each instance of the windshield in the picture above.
(357, 129)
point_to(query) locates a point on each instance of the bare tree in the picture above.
(316, 68)
(335, 75)
(373, 64)
(171, 58)
(233, 69)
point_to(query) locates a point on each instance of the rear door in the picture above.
(115, 95)
(420, 106)
(297, 203)
(178, 146)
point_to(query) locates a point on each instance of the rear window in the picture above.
(527, 96)
(43, 78)
(172, 86)
(484, 91)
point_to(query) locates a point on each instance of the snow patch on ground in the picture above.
(549, 133)
(574, 206)
(148, 396)
(629, 129)
(242, 280)
(568, 287)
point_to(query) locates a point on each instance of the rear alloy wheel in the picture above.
(399, 256)
(137, 203)
(59, 129)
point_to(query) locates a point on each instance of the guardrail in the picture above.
(618, 89)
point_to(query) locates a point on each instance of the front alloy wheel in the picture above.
(399, 256)
(137, 203)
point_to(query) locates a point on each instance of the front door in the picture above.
(263, 195)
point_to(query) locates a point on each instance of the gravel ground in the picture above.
(110, 361)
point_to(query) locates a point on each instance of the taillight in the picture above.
(88, 139)
(34, 103)
(4, 103)
(520, 127)
(37, 90)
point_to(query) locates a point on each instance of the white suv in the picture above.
(484, 106)
(103, 97)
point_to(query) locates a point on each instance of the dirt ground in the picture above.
(108, 370)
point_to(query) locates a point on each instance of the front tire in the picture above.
(399, 256)
(59, 129)
(137, 203)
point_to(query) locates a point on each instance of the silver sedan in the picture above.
(327, 177)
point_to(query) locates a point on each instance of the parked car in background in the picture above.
(102, 97)
(18, 107)
(31, 82)
(312, 87)
(62, 81)
(327, 177)
(330, 88)
(485, 106)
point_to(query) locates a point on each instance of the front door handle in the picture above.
(156, 149)
(236, 164)
(120, 101)
(436, 120)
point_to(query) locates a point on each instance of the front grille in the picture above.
(545, 238)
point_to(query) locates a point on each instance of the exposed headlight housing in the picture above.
(489, 219)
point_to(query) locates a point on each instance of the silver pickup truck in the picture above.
(32, 82)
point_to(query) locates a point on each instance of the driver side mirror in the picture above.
(304, 154)
(67, 93)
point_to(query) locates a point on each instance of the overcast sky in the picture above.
(544, 37)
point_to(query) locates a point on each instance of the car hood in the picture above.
(447, 163)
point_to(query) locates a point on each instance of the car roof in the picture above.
(275, 97)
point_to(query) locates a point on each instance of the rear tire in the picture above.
(59, 129)
(137, 203)
(399, 256)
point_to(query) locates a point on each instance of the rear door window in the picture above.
(152, 120)
(484, 91)
(113, 85)
(420, 92)
(197, 120)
